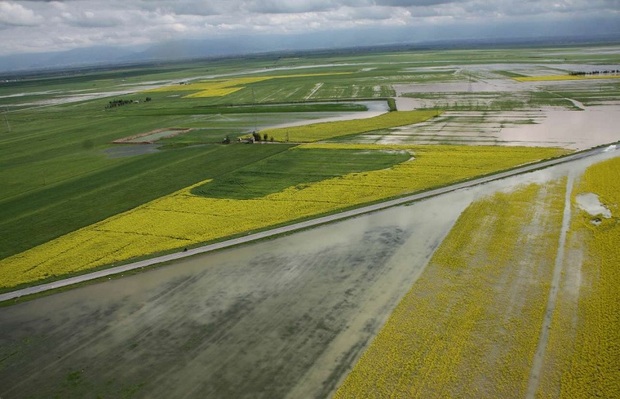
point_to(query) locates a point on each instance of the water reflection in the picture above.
(284, 316)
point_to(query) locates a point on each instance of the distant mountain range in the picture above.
(100, 56)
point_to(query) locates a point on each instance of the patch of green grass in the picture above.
(295, 167)
(392, 104)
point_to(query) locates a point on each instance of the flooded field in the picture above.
(289, 317)
(547, 127)
(286, 316)
(482, 320)
(487, 106)
(375, 108)
(281, 318)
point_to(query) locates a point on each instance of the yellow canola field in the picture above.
(328, 130)
(214, 88)
(220, 88)
(549, 78)
(582, 359)
(182, 219)
(469, 326)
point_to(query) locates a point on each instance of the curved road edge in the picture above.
(301, 225)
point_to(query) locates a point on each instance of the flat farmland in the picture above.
(492, 291)
(284, 189)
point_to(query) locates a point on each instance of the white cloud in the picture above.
(56, 25)
(18, 15)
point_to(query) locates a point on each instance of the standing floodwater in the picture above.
(282, 317)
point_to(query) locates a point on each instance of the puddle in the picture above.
(152, 136)
(591, 204)
(130, 150)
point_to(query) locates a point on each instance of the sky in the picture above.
(46, 26)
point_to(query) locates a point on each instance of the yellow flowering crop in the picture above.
(469, 326)
(182, 219)
(327, 130)
(213, 88)
(583, 354)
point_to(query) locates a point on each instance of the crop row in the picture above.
(182, 219)
(583, 354)
(469, 326)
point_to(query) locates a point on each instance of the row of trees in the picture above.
(121, 102)
(255, 137)
(605, 72)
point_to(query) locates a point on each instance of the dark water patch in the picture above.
(130, 150)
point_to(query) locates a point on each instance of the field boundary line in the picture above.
(539, 356)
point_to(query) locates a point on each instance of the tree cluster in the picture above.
(257, 137)
(605, 72)
(121, 102)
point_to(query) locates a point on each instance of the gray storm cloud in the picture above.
(31, 26)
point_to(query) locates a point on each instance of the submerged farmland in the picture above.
(516, 302)
(505, 289)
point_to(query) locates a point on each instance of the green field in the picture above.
(59, 170)
(294, 168)
(57, 208)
